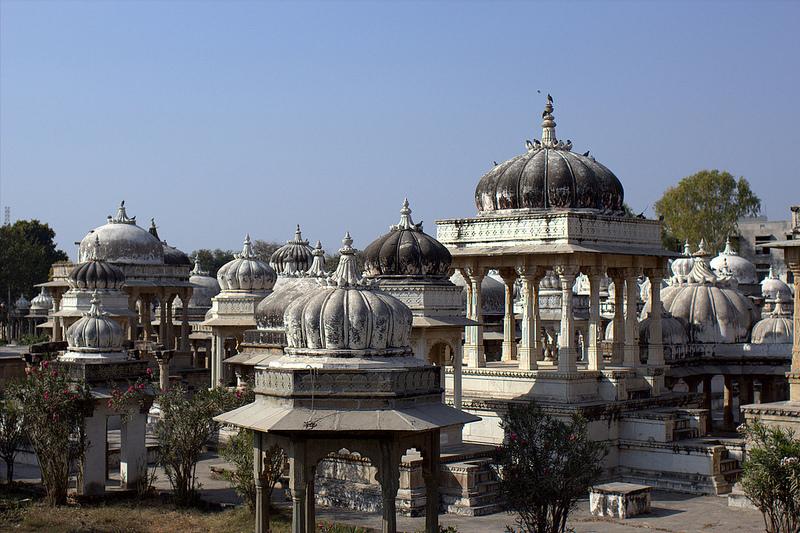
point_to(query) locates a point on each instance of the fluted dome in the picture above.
(293, 257)
(715, 311)
(246, 272)
(549, 175)
(95, 274)
(95, 332)
(683, 265)
(406, 251)
(674, 331)
(122, 241)
(270, 311)
(42, 302)
(22, 303)
(204, 287)
(775, 328)
(348, 316)
(731, 263)
(773, 288)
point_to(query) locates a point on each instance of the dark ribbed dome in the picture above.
(96, 274)
(173, 256)
(406, 251)
(549, 175)
(293, 257)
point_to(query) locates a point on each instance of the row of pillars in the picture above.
(625, 346)
(748, 389)
(386, 459)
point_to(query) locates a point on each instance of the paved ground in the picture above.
(671, 513)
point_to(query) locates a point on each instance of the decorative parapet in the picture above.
(103, 373)
(338, 382)
(526, 227)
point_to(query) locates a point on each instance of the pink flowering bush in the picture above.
(138, 393)
(546, 464)
(53, 407)
(771, 475)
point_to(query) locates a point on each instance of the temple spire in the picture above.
(154, 229)
(405, 219)
(687, 249)
(298, 237)
(728, 248)
(122, 215)
(548, 124)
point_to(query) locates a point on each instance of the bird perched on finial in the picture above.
(549, 99)
(528, 145)
(586, 153)
(495, 163)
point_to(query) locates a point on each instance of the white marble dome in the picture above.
(95, 274)
(683, 264)
(204, 287)
(42, 302)
(737, 266)
(95, 332)
(246, 272)
(775, 328)
(22, 303)
(347, 316)
(774, 288)
(121, 241)
(714, 311)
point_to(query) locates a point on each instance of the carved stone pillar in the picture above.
(430, 473)
(509, 327)
(133, 321)
(297, 486)
(310, 508)
(476, 356)
(655, 348)
(566, 338)
(530, 345)
(163, 358)
(794, 373)
(57, 333)
(145, 306)
(745, 390)
(727, 403)
(458, 362)
(162, 321)
(618, 343)
(389, 473)
(631, 318)
(595, 353)
(469, 313)
(262, 501)
(185, 329)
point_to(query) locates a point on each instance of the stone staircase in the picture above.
(683, 430)
(470, 488)
(730, 470)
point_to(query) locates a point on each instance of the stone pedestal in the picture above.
(619, 500)
(93, 476)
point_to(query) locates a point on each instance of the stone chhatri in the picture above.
(246, 272)
(293, 257)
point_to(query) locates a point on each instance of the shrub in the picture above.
(53, 408)
(185, 425)
(771, 475)
(12, 435)
(546, 465)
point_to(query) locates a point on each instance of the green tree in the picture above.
(706, 205)
(27, 251)
(546, 465)
(12, 435)
(264, 249)
(771, 475)
(211, 260)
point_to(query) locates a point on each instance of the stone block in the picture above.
(619, 500)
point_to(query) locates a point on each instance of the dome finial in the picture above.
(154, 229)
(548, 124)
(298, 235)
(347, 271)
(247, 249)
(687, 249)
(122, 215)
(96, 309)
(728, 247)
(701, 249)
(405, 219)
(317, 268)
(94, 254)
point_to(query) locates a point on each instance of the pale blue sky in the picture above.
(220, 118)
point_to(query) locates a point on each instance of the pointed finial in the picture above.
(405, 218)
(96, 308)
(94, 255)
(122, 215)
(772, 274)
(548, 125)
(701, 249)
(317, 268)
(247, 249)
(728, 248)
(346, 274)
(687, 250)
(297, 234)
(154, 229)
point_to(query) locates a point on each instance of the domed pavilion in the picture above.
(348, 380)
(154, 272)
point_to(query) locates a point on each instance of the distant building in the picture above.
(754, 232)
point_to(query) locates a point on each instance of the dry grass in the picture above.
(150, 516)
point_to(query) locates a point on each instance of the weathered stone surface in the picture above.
(619, 500)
